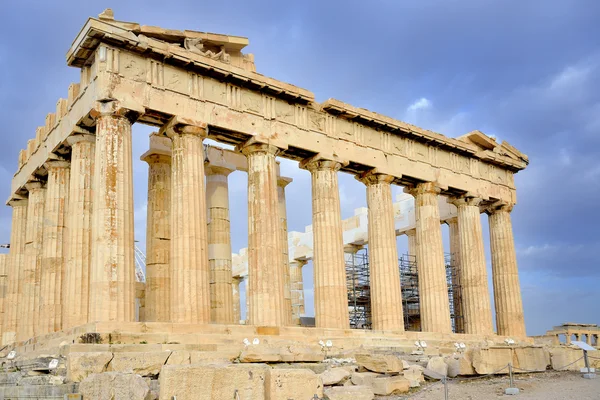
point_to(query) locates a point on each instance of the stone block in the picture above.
(209, 382)
(80, 365)
(564, 358)
(286, 384)
(363, 378)
(381, 363)
(531, 359)
(350, 393)
(438, 365)
(384, 386)
(179, 357)
(334, 376)
(492, 360)
(414, 376)
(114, 386)
(144, 364)
(198, 357)
(266, 353)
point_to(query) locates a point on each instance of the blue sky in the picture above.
(525, 71)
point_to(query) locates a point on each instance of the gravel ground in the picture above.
(540, 386)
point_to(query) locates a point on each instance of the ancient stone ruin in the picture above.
(71, 290)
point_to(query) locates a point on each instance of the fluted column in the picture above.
(79, 233)
(31, 271)
(477, 310)
(54, 247)
(112, 271)
(386, 297)
(190, 282)
(281, 184)
(505, 274)
(433, 288)
(297, 290)
(14, 266)
(219, 244)
(4, 264)
(158, 238)
(411, 235)
(456, 285)
(265, 275)
(237, 310)
(331, 297)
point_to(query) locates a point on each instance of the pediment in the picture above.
(488, 143)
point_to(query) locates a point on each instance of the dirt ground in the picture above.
(540, 386)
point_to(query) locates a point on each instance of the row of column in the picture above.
(189, 264)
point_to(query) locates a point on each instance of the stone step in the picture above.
(38, 392)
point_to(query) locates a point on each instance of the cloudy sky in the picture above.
(527, 72)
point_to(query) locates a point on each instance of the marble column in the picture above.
(219, 244)
(14, 271)
(433, 288)
(79, 233)
(265, 288)
(281, 184)
(54, 246)
(505, 275)
(456, 285)
(588, 338)
(190, 282)
(331, 297)
(28, 310)
(568, 338)
(4, 265)
(112, 270)
(386, 296)
(237, 307)
(411, 235)
(477, 309)
(158, 238)
(297, 290)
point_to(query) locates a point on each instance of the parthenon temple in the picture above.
(71, 266)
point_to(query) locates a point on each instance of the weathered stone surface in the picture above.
(531, 358)
(209, 382)
(385, 386)
(80, 365)
(179, 357)
(114, 386)
(564, 359)
(334, 376)
(254, 354)
(350, 393)
(141, 363)
(437, 365)
(285, 384)
(382, 363)
(491, 360)
(363, 378)
(414, 376)
(197, 357)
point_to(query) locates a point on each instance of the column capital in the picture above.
(423, 188)
(156, 158)
(298, 263)
(210, 169)
(81, 137)
(499, 206)
(411, 232)
(116, 109)
(451, 221)
(32, 185)
(184, 126)
(16, 202)
(283, 181)
(255, 145)
(465, 200)
(321, 162)
(57, 164)
(352, 248)
(373, 177)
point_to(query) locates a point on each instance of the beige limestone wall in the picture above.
(28, 310)
(190, 288)
(219, 245)
(331, 299)
(112, 270)
(14, 267)
(433, 289)
(505, 275)
(477, 311)
(386, 297)
(54, 246)
(265, 289)
(281, 184)
(297, 290)
(75, 307)
(158, 239)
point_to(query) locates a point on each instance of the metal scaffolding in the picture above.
(359, 291)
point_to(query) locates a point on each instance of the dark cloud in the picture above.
(527, 72)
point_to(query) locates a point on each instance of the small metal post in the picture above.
(588, 374)
(511, 390)
(510, 374)
(445, 388)
(586, 361)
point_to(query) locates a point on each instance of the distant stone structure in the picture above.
(71, 266)
(570, 331)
